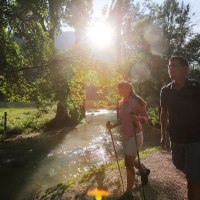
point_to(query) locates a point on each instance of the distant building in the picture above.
(91, 93)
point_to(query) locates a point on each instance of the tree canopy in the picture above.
(146, 36)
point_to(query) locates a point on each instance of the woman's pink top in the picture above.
(127, 129)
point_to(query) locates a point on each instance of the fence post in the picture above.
(5, 121)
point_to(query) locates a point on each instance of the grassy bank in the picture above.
(85, 179)
(85, 176)
(24, 120)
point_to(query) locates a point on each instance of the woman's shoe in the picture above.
(144, 177)
(126, 196)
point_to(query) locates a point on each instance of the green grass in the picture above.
(148, 151)
(24, 120)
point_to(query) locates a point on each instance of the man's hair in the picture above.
(181, 59)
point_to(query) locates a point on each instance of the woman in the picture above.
(131, 124)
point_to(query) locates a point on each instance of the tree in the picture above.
(27, 33)
(78, 14)
(175, 20)
(11, 59)
(155, 33)
(192, 51)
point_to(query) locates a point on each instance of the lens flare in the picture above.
(98, 193)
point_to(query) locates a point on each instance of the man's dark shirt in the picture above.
(184, 111)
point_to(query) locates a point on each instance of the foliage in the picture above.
(24, 46)
(28, 30)
(76, 96)
(175, 20)
(11, 61)
(153, 113)
(31, 69)
(194, 74)
(152, 33)
(83, 7)
(192, 51)
(37, 46)
(107, 81)
(77, 15)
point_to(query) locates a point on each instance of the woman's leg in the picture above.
(144, 171)
(129, 163)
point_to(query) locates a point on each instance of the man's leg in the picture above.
(178, 155)
(193, 191)
(193, 170)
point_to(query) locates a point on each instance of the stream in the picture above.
(33, 165)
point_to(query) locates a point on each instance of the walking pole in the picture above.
(116, 155)
(138, 155)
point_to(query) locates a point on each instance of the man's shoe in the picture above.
(144, 177)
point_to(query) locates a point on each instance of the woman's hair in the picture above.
(132, 93)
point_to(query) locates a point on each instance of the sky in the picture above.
(195, 7)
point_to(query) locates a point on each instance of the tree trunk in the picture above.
(61, 119)
(61, 113)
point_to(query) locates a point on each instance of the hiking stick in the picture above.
(116, 155)
(138, 155)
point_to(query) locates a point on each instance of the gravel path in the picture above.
(165, 182)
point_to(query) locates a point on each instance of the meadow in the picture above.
(24, 118)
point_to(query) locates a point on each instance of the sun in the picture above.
(100, 35)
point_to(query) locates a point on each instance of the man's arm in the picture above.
(163, 123)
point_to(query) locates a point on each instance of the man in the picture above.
(180, 104)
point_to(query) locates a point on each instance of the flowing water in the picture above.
(32, 165)
(27, 167)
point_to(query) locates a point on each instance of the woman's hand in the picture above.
(134, 118)
(109, 126)
(143, 119)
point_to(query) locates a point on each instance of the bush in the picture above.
(153, 113)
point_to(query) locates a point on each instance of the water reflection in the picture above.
(38, 164)
(84, 147)
(54, 159)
